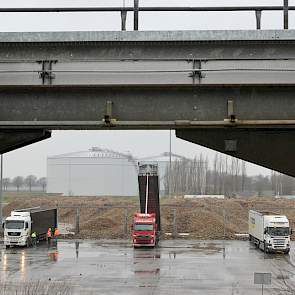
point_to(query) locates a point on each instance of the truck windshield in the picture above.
(14, 224)
(143, 227)
(278, 231)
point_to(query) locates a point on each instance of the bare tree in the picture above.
(18, 182)
(6, 181)
(43, 183)
(30, 181)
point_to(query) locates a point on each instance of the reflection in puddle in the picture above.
(4, 262)
(146, 263)
(53, 255)
(77, 244)
(172, 255)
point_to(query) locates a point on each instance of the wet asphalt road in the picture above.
(176, 267)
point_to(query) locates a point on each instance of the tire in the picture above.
(7, 247)
(287, 251)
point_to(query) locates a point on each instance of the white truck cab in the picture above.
(269, 232)
(17, 229)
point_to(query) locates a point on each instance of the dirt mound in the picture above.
(202, 219)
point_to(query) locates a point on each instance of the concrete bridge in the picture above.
(232, 91)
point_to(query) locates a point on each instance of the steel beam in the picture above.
(146, 107)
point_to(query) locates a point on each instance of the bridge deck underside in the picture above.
(230, 91)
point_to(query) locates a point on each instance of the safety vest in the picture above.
(34, 235)
(56, 232)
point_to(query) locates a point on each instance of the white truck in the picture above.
(19, 226)
(269, 232)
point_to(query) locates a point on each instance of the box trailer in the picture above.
(269, 231)
(19, 226)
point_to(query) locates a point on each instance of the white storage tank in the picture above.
(97, 172)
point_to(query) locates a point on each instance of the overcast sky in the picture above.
(32, 159)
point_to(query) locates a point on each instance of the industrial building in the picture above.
(101, 172)
(96, 172)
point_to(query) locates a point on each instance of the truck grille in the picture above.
(14, 234)
(144, 237)
(279, 243)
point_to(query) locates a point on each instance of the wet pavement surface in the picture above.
(176, 267)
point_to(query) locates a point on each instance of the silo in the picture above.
(96, 172)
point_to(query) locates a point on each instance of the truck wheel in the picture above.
(7, 246)
(287, 251)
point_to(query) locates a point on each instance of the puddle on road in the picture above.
(283, 277)
(208, 248)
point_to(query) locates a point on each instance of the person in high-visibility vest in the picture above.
(34, 238)
(49, 236)
(56, 234)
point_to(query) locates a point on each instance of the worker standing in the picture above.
(49, 236)
(34, 239)
(56, 234)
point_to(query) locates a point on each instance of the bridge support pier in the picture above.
(271, 148)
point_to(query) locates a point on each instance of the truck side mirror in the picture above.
(26, 226)
(265, 231)
(291, 231)
(3, 224)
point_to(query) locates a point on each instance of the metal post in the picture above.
(224, 220)
(77, 220)
(136, 5)
(170, 160)
(174, 227)
(286, 14)
(125, 222)
(123, 18)
(1, 192)
(258, 19)
(146, 194)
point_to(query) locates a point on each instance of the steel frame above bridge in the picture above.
(136, 9)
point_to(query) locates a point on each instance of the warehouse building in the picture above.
(96, 172)
(101, 172)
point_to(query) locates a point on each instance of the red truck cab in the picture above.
(144, 230)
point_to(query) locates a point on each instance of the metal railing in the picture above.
(136, 9)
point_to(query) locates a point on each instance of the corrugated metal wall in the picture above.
(91, 176)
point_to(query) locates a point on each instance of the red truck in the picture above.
(144, 230)
(146, 224)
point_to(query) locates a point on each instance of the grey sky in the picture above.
(32, 159)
